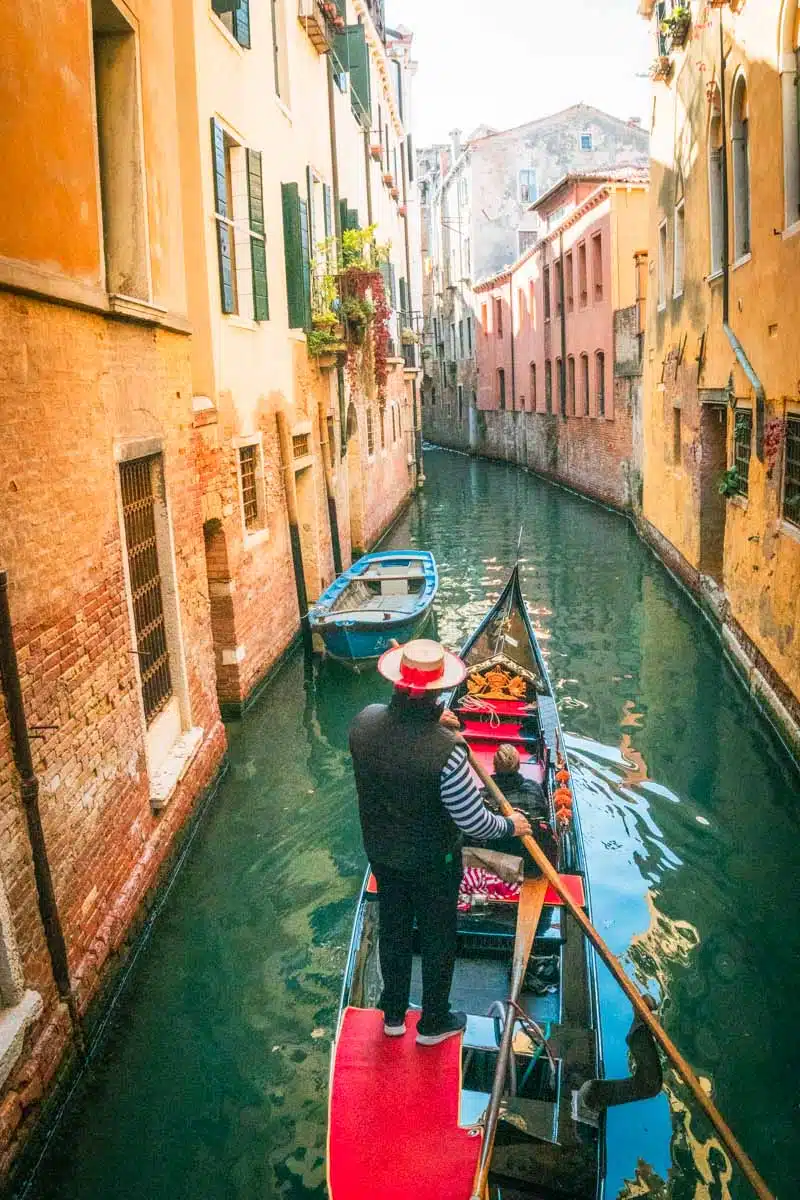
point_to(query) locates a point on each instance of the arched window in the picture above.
(585, 384)
(533, 387)
(548, 385)
(600, 365)
(571, 385)
(790, 83)
(740, 163)
(715, 193)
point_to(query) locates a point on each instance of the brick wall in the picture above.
(75, 382)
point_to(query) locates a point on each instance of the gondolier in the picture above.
(416, 797)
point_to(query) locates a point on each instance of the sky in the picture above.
(504, 62)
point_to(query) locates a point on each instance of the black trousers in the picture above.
(432, 897)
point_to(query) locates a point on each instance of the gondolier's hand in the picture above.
(522, 826)
(449, 720)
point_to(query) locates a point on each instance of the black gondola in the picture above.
(405, 1122)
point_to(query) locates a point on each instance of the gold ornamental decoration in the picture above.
(496, 684)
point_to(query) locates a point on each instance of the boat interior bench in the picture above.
(396, 581)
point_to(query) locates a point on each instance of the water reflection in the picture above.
(213, 1081)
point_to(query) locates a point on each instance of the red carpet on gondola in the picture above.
(394, 1111)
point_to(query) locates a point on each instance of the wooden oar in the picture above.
(531, 902)
(637, 1000)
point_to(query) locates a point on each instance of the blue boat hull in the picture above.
(385, 597)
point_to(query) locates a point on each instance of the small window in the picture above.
(460, 402)
(676, 436)
(562, 392)
(331, 428)
(546, 290)
(485, 318)
(370, 433)
(742, 442)
(469, 335)
(528, 190)
(715, 197)
(533, 387)
(585, 384)
(677, 265)
(382, 423)
(501, 388)
(498, 317)
(791, 473)
(571, 384)
(662, 265)
(586, 141)
(559, 286)
(235, 16)
(583, 287)
(460, 339)
(433, 397)
(301, 445)
(600, 361)
(597, 267)
(548, 385)
(569, 282)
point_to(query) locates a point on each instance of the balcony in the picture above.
(321, 20)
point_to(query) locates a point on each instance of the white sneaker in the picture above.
(394, 1030)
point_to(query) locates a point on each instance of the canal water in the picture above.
(212, 1080)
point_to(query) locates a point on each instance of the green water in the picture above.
(212, 1080)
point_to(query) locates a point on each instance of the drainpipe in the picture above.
(417, 428)
(736, 345)
(511, 335)
(294, 527)
(563, 294)
(29, 792)
(329, 488)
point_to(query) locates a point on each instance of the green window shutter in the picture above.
(386, 272)
(359, 72)
(221, 207)
(327, 211)
(393, 285)
(410, 157)
(241, 23)
(403, 296)
(258, 249)
(343, 211)
(353, 219)
(305, 263)
(312, 231)
(292, 251)
(224, 6)
(340, 49)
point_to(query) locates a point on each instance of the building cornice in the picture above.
(379, 50)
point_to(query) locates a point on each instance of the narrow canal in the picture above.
(213, 1077)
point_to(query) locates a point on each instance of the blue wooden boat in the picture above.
(382, 597)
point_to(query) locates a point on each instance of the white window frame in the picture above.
(679, 249)
(663, 252)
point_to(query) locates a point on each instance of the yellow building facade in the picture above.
(722, 363)
(293, 123)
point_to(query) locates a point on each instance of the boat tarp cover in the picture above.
(394, 1130)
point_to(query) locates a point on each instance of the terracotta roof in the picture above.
(622, 173)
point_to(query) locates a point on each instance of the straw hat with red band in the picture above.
(422, 666)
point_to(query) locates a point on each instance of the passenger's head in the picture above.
(506, 759)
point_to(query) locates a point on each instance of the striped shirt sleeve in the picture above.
(463, 801)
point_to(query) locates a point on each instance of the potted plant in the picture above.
(324, 346)
(339, 22)
(376, 150)
(357, 312)
(661, 68)
(402, 211)
(324, 320)
(394, 193)
(329, 8)
(408, 337)
(388, 178)
(676, 26)
(730, 483)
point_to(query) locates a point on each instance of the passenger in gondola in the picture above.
(528, 797)
(416, 797)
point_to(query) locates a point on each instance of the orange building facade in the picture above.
(722, 398)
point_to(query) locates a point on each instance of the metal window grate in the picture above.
(301, 445)
(247, 467)
(370, 433)
(138, 511)
(791, 477)
(742, 439)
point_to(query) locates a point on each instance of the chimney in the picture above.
(637, 121)
(455, 140)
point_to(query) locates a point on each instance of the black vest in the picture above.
(398, 753)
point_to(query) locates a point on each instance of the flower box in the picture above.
(376, 152)
(388, 179)
(402, 211)
(676, 27)
(394, 193)
(339, 22)
(329, 9)
(661, 68)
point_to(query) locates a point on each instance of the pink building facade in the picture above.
(559, 341)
